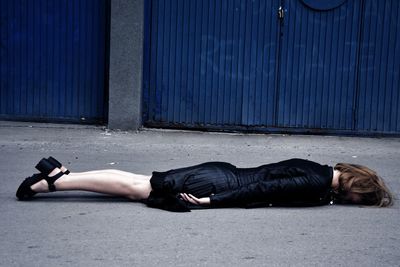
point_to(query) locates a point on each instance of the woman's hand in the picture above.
(204, 201)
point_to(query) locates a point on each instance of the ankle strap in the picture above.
(52, 179)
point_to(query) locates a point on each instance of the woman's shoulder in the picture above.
(298, 162)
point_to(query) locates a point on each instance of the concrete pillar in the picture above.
(126, 64)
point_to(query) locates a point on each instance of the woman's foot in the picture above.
(43, 186)
(38, 183)
(40, 187)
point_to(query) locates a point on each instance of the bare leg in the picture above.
(112, 182)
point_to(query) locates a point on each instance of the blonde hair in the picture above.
(365, 183)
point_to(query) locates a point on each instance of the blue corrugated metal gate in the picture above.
(53, 59)
(238, 65)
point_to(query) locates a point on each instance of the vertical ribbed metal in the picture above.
(379, 90)
(211, 62)
(318, 66)
(52, 59)
(234, 64)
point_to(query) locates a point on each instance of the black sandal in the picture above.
(46, 167)
(24, 191)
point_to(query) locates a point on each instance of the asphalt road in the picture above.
(88, 229)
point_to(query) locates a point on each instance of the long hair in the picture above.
(365, 183)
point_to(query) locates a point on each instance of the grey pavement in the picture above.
(88, 229)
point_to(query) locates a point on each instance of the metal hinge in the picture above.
(281, 13)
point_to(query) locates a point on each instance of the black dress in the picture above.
(294, 182)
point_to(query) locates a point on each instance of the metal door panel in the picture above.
(53, 59)
(210, 63)
(379, 97)
(318, 66)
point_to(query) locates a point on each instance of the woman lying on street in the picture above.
(294, 182)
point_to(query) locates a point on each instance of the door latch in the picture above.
(281, 12)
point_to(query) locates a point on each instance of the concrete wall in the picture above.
(126, 67)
